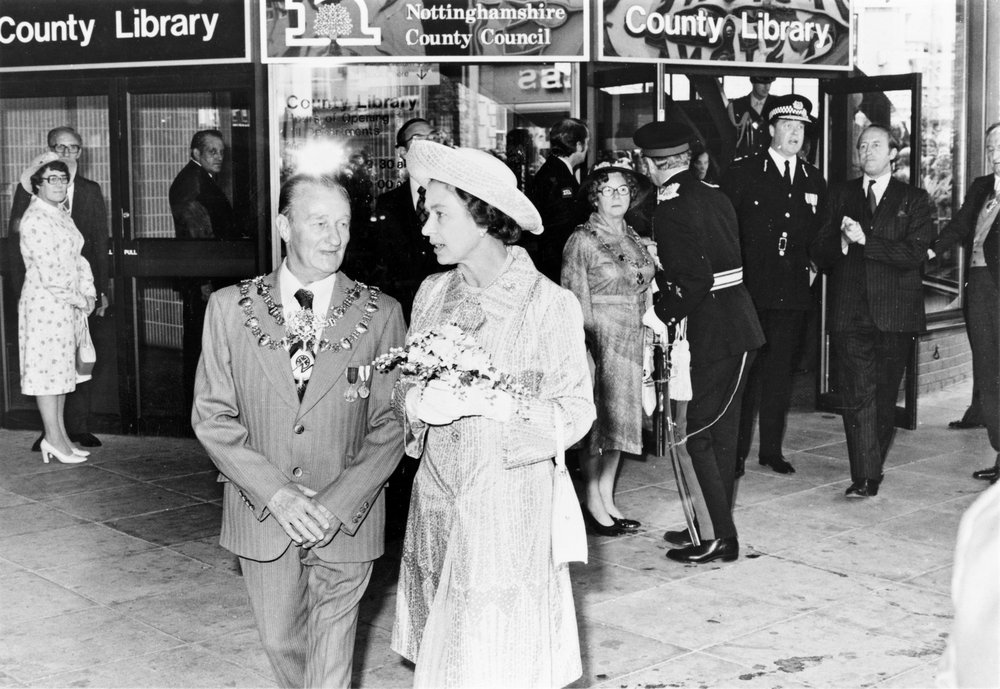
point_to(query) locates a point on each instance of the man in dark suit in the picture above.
(89, 213)
(697, 239)
(394, 254)
(749, 115)
(303, 449)
(777, 197)
(201, 210)
(977, 227)
(554, 192)
(873, 242)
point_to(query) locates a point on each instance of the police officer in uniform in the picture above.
(749, 115)
(697, 238)
(778, 197)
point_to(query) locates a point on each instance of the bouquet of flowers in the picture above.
(451, 356)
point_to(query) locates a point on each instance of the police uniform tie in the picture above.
(302, 360)
(872, 202)
(788, 172)
(421, 209)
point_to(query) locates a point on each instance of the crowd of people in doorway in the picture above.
(532, 315)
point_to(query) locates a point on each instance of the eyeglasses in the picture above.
(62, 149)
(623, 190)
(56, 179)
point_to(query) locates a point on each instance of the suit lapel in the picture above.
(330, 365)
(889, 204)
(273, 361)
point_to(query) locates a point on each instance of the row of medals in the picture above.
(356, 388)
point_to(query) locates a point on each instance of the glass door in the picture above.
(189, 227)
(136, 136)
(849, 106)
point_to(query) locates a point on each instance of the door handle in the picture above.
(126, 215)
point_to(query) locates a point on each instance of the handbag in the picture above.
(86, 355)
(569, 537)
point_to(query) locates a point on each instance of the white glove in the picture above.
(493, 404)
(438, 405)
(653, 322)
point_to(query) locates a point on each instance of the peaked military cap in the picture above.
(662, 139)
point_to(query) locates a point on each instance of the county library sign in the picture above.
(804, 34)
(116, 33)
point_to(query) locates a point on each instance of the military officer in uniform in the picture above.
(777, 197)
(749, 115)
(697, 239)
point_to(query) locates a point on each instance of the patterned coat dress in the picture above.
(613, 300)
(53, 305)
(480, 602)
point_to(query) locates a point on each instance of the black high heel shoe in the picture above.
(595, 527)
(627, 524)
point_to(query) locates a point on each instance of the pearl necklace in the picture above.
(620, 255)
(291, 337)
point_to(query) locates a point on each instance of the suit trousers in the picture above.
(870, 366)
(713, 418)
(772, 370)
(307, 615)
(984, 338)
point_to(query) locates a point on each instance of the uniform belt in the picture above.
(727, 278)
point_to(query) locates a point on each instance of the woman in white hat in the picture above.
(57, 296)
(480, 601)
(610, 270)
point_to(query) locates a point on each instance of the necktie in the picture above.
(872, 203)
(422, 213)
(301, 358)
(788, 172)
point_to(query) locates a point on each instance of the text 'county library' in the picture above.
(295, 83)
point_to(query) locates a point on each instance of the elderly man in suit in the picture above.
(873, 242)
(777, 197)
(85, 202)
(697, 239)
(977, 227)
(302, 431)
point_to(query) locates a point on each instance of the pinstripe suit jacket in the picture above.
(888, 265)
(248, 416)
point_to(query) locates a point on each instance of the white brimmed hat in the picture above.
(41, 161)
(474, 172)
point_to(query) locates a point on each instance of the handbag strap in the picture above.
(560, 456)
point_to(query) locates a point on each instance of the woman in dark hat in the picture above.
(610, 268)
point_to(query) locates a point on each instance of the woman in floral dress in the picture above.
(480, 602)
(57, 296)
(610, 270)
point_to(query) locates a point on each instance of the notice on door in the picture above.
(76, 34)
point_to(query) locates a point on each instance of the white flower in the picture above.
(668, 192)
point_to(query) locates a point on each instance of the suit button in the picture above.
(298, 429)
(788, 215)
(296, 472)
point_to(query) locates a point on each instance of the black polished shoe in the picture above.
(988, 474)
(681, 539)
(725, 549)
(777, 463)
(85, 439)
(627, 524)
(962, 424)
(741, 466)
(597, 528)
(37, 447)
(865, 488)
